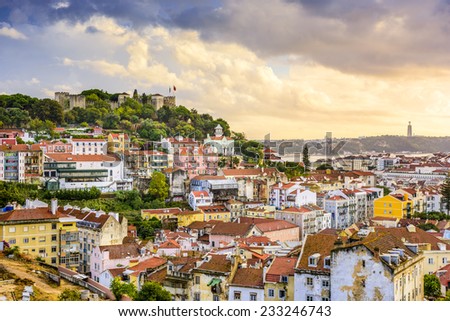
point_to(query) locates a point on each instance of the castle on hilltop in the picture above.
(69, 101)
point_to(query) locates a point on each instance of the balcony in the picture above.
(85, 173)
(59, 166)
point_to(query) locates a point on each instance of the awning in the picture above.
(214, 282)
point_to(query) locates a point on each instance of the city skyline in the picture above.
(294, 69)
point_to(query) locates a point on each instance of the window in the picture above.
(325, 283)
(41, 239)
(253, 296)
(363, 263)
(430, 260)
(284, 279)
(325, 298)
(53, 226)
(237, 295)
(309, 298)
(197, 279)
(41, 227)
(12, 230)
(53, 260)
(309, 281)
(53, 237)
(25, 228)
(444, 260)
(271, 293)
(327, 262)
(26, 240)
(282, 294)
(312, 261)
(53, 249)
(12, 241)
(215, 297)
(363, 283)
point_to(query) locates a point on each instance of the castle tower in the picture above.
(409, 134)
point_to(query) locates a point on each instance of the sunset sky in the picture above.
(291, 68)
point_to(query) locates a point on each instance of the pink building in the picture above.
(115, 256)
(196, 161)
(50, 147)
(225, 233)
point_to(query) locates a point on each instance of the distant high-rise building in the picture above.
(409, 134)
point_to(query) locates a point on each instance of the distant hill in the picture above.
(377, 144)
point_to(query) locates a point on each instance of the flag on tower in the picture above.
(174, 88)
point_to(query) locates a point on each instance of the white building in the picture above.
(67, 171)
(200, 198)
(221, 144)
(89, 146)
(380, 268)
(310, 218)
(312, 275)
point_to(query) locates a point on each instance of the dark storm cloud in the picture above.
(369, 36)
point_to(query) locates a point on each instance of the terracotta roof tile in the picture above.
(229, 228)
(120, 251)
(318, 243)
(248, 277)
(217, 263)
(281, 266)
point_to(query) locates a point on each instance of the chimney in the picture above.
(27, 203)
(54, 205)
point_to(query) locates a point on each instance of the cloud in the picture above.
(102, 66)
(8, 31)
(323, 81)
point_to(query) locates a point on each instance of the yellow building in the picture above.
(279, 280)
(210, 278)
(216, 213)
(187, 217)
(160, 213)
(393, 205)
(42, 232)
(261, 212)
(118, 143)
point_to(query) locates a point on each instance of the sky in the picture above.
(288, 68)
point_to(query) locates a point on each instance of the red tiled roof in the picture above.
(248, 277)
(63, 157)
(444, 275)
(217, 263)
(229, 228)
(319, 243)
(30, 214)
(169, 244)
(150, 263)
(158, 276)
(120, 251)
(200, 193)
(172, 210)
(281, 266)
(417, 236)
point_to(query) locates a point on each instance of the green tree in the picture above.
(84, 124)
(324, 166)
(158, 188)
(432, 286)
(306, 161)
(119, 289)
(135, 95)
(428, 226)
(152, 291)
(445, 191)
(70, 295)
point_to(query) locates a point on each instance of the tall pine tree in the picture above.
(445, 191)
(306, 161)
